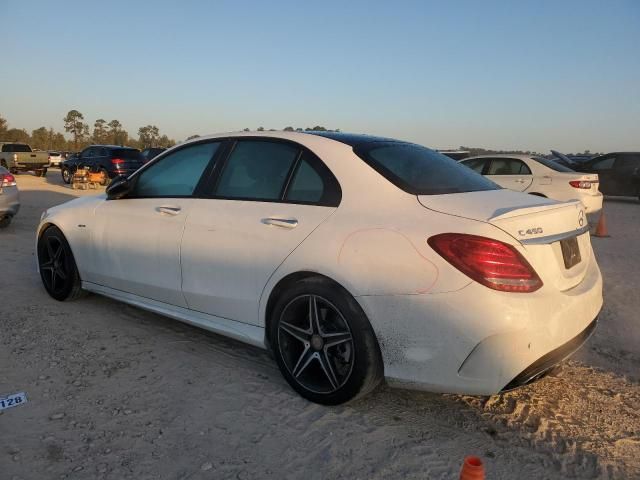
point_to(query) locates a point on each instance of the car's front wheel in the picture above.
(66, 175)
(324, 344)
(58, 269)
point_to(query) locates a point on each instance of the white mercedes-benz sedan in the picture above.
(538, 176)
(352, 258)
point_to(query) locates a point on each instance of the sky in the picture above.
(530, 75)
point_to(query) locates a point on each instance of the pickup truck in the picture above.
(18, 157)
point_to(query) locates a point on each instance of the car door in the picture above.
(603, 166)
(86, 158)
(510, 173)
(267, 198)
(136, 239)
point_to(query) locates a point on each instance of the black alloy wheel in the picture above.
(58, 269)
(324, 344)
(66, 175)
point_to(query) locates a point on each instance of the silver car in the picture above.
(9, 197)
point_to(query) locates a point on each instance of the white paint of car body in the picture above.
(428, 316)
(548, 182)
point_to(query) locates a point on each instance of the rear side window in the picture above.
(177, 174)
(257, 170)
(16, 147)
(306, 185)
(604, 164)
(508, 166)
(421, 171)
(627, 163)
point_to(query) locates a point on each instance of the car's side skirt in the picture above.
(243, 332)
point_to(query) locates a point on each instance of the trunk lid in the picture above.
(543, 227)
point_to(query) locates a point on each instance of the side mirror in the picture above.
(118, 188)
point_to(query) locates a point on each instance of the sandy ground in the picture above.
(116, 392)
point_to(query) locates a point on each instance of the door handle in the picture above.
(173, 211)
(281, 222)
(519, 180)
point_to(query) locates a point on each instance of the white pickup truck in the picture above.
(18, 157)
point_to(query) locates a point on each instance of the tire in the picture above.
(336, 360)
(44, 172)
(105, 177)
(38, 173)
(58, 269)
(66, 175)
(5, 221)
(4, 164)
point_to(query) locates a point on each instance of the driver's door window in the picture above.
(177, 174)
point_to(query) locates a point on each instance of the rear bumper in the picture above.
(592, 203)
(544, 364)
(476, 340)
(9, 201)
(25, 167)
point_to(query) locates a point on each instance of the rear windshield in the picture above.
(126, 153)
(420, 171)
(552, 165)
(15, 147)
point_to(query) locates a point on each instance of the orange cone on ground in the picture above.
(472, 469)
(601, 229)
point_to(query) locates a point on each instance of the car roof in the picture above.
(518, 156)
(304, 138)
(112, 146)
(618, 153)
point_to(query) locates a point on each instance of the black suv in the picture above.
(109, 159)
(619, 173)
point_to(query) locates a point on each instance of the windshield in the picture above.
(16, 147)
(421, 171)
(127, 153)
(552, 165)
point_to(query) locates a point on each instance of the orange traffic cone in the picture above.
(601, 229)
(472, 469)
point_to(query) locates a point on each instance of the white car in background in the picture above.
(55, 158)
(539, 176)
(351, 257)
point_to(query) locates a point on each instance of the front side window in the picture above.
(177, 174)
(421, 171)
(627, 163)
(257, 170)
(508, 166)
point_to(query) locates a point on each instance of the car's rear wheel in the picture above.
(58, 269)
(5, 221)
(66, 175)
(324, 344)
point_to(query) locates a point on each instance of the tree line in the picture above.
(103, 132)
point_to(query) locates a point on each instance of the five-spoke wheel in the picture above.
(316, 343)
(323, 342)
(57, 266)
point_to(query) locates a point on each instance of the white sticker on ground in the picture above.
(13, 400)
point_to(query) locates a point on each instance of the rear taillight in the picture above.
(580, 183)
(490, 262)
(7, 180)
(117, 161)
